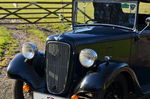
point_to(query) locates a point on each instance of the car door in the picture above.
(140, 54)
(140, 59)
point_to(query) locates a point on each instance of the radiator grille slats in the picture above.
(57, 65)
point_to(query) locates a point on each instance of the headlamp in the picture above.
(29, 50)
(87, 57)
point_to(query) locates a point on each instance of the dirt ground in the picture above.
(21, 37)
(5, 85)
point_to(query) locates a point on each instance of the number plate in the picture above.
(37, 95)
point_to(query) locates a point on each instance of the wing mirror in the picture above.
(147, 21)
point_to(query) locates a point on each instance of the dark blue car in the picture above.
(105, 56)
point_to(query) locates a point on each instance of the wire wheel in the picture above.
(117, 90)
(114, 92)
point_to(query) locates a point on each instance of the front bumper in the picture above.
(37, 95)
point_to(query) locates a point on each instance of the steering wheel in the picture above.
(90, 20)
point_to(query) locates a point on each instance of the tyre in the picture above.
(18, 92)
(117, 90)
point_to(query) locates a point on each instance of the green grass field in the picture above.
(7, 45)
(4, 39)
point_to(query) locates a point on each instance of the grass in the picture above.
(144, 8)
(7, 45)
(88, 9)
(60, 28)
(4, 39)
(37, 33)
(34, 32)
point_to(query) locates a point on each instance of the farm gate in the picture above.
(35, 12)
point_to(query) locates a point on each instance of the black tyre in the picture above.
(117, 90)
(18, 92)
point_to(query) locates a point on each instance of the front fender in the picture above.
(19, 69)
(104, 75)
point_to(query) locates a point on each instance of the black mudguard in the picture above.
(99, 80)
(30, 72)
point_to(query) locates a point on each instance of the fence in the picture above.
(35, 12)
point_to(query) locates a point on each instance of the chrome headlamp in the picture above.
(29, 50)
(87, 57)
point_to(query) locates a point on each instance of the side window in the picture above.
(144, 8)
(130, 9)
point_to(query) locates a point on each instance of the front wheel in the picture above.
(117, 90)
(19, 93)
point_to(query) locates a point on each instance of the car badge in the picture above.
(54, 50)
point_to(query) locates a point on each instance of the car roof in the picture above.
(145, 1)
(148, 1)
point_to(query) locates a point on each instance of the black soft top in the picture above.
(148, 1)
(145, 1)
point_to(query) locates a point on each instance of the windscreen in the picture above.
(116, 13)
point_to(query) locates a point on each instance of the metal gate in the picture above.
(35, 12)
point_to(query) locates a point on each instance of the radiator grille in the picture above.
(57, 66)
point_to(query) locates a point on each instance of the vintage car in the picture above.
(105, 56)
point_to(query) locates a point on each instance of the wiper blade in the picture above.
(107, 25)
